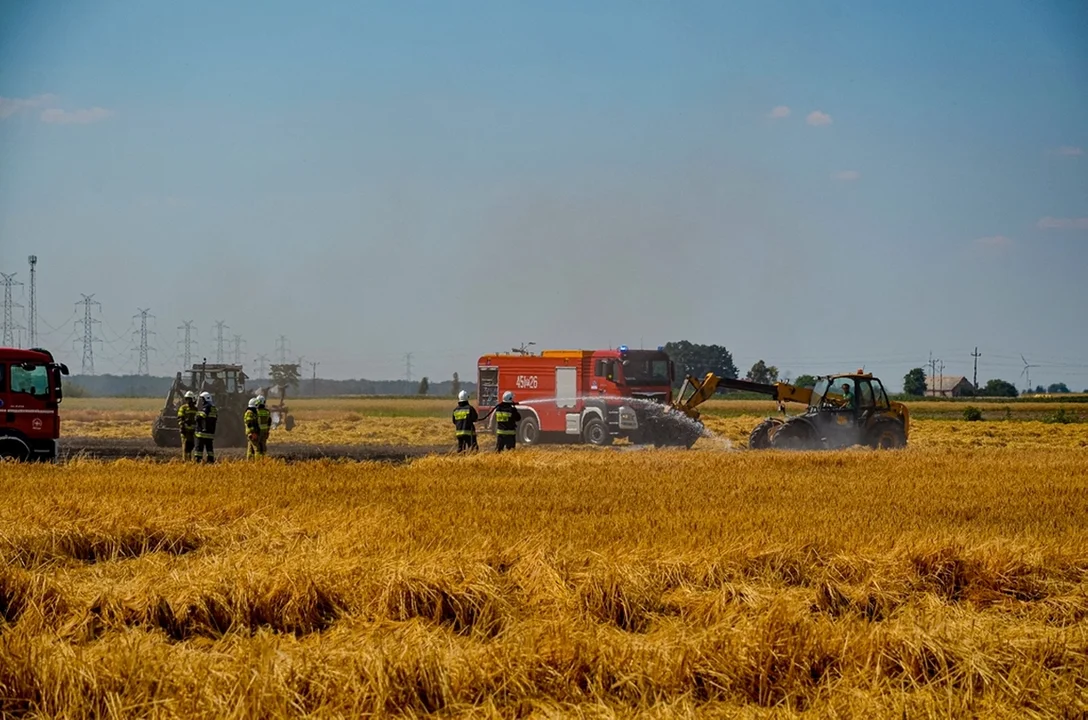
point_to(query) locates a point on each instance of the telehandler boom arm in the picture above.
(695, 392)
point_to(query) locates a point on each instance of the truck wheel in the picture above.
(13, 449)
(595, 432)
(760, 439)
(887, 436)
(529, 431)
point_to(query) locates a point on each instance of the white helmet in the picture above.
(189, 395)
(253, 402)
(508, 396)
(260, 399)
(206, 396)
(462, 396)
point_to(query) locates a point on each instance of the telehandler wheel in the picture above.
(529, 430)
(793, 436)
(887, 436)
(595, 432)
(760, 438)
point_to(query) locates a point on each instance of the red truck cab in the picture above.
(30, 395)
(571, 396)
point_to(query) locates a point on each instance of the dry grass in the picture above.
(851, 584)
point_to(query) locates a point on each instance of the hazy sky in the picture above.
(823, 185)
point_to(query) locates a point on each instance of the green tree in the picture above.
(914, 382)
(999, 388)
(1059, 387)
(285, 375)
(762, 373)
(455, 388)
(805, 381)
(698, 360)
(424, 386)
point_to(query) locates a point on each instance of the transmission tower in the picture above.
(262, 363)
(238, 341)
(313, 381)
(187, 343)
(408, 367)
(281, 349)
(32, 321)
(88, 332)
(143, 314)
(10, 327)
(220, 326)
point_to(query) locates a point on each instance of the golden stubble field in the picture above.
(949, 579)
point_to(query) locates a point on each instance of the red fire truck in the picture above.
(591, 396)
(30, 395)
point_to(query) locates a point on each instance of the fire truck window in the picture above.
(601, 370)
(34, 381)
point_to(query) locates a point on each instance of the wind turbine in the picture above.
(1027, 371)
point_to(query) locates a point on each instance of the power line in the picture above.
(262, 361)
(10, 327)
(89, 338)
(238, 341)
(32, 321)
(220, 326)
(188, 342)
(143, 314)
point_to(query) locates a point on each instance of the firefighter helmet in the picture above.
(189, 395)
(462, 396)
(508, 396)
(260, 399)
(206, 396)
(253, 402)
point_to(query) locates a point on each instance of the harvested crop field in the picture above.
(606, 583)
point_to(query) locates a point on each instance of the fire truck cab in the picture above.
(571, 396)
(30, 395)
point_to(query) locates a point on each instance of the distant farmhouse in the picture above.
(948, 386)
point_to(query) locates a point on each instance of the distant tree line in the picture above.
(148, 386)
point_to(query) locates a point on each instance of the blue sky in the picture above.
(823, 186)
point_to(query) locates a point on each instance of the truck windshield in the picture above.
(32, 380)
(646, 370)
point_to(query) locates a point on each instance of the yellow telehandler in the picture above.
(842, 411)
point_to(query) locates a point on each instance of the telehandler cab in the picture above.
(842, 411)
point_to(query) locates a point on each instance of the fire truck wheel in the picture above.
(13, 449)
(529, 431)
(595, 432)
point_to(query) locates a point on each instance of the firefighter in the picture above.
(507, 418)
(253, 430)
(187, 425)
(264, 425)
(464, 420)
(206, 419)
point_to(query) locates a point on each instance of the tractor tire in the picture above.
(529, 430)
(886, 435)
(760, 438)
(230, 432)
(289, 423)
(165, 437)
(595, 432)
(793, 436)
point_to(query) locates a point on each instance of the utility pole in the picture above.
(932, 375)
(238, 349)
(976, 355)
(88, 332)
(220, 326)
(187, 326)
(940, 384)
(143, 314)
(262, 361)
(313, 381)
(32, 321)
(408, 367)
(10, 327)
(281, 349)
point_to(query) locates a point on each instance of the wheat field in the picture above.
(947, 579)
